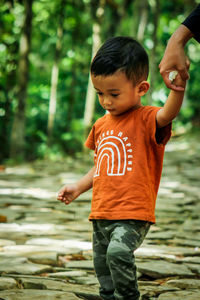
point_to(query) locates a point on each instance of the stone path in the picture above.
(45, 246)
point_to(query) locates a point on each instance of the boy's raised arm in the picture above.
(69, 192)
(172, 106)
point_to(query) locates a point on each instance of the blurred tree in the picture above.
(143, 7)
(8, 64)
(97, 9)
(17, 146)
(155, 6)
(76, 35)
(119, 12)
(55, 70)
(152, 22)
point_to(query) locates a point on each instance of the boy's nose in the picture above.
(107, 101)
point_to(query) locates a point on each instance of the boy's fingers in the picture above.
(66, 194)
(170, 84)
(64, 198)
(184, 74)
(60, 195)
(61, 198)
(177, 88)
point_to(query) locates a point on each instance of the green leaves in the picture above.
(119, 18)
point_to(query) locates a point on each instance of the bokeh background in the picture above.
(47, 103)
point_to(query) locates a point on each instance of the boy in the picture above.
(129, 146)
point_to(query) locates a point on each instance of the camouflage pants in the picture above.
(113, 245)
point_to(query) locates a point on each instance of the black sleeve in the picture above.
(192, 22)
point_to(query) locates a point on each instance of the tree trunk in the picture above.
(118, 13)
(17, 148)
(8, 89)
(135, 19)
(55, 74)
(153, 63)
(91, 94)
(143, 8)
(71, 100)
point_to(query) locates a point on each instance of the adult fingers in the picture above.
(183, 69)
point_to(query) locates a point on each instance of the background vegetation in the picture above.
(46, 100)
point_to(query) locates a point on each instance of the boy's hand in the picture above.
(68, 193)
(176, 81)
(168, 64)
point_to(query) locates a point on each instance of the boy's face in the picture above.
(116, 93)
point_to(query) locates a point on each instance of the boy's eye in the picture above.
(99, 93)
(114, 95)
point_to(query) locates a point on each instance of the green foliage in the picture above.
(68, 132)
(72, 141)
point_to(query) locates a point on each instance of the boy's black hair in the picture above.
(121, 54)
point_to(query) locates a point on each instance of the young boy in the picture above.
(129, 144)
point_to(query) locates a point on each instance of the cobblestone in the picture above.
(45, 246)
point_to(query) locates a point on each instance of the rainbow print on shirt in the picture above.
(117, 151)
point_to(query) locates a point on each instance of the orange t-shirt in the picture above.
(128, 161)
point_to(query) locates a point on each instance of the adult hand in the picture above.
(175, 59)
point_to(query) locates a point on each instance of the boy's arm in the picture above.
(170, 110)
(172, 106)
(70, 192)
(86, 182)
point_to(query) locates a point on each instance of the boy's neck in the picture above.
(128, 111)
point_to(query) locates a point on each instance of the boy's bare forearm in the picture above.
(171, 108)
(86, 182)
(70, 192)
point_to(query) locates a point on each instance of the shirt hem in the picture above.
(125, 217)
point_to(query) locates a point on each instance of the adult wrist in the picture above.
(181, 36)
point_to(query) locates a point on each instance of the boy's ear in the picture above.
(143, 87)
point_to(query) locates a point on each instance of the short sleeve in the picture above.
(192, 22)
(163, 134)
(90, 142)
(159, 136)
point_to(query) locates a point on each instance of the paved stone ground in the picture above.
(45, 246)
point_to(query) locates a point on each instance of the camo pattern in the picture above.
(113, 245)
